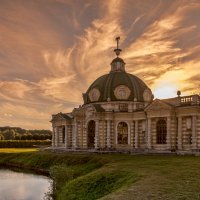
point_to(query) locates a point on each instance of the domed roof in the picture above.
(109, 86)
(118, 85)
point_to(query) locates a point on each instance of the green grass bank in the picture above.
(95, 176)
(23, 143)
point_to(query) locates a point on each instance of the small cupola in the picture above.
(117, 64)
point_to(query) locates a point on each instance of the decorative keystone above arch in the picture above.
(122, 92)
(94, 94)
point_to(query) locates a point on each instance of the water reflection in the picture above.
(23, 186)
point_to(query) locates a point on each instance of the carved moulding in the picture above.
(122, 92)
(94, 94)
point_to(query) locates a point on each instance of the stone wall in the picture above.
(190, 140)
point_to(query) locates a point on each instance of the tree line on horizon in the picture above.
(17, 133)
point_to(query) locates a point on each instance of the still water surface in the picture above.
(23, 186)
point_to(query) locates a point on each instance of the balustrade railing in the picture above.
(190, 100)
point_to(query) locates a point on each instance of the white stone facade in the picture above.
(179, 129)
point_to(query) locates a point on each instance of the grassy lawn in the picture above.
(139, 177)
(17, 150)
(118, 177)
(161, 177)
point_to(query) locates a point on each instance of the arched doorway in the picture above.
(161, 131)
(91, 134)
(122, 133)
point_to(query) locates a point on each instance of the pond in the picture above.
(23, 186)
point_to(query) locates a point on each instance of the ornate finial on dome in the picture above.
(178, 93)
(117, 64)
(117, 50)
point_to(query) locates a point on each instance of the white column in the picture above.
(56, 136)
(96, 134)
(146, 133)
(75, 134)
(194, 135)
(169, 133)
(108, 135)
(149, 145)
(179, 139)
(136, 134)
(66, 135)
(53, 137)
(132, 132)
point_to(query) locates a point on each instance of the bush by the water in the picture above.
(23, 143)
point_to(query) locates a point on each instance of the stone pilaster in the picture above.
(96, 134)
(56, 136)
(66, 137)
(194, 134)
(108, 135)
(169, 133)
(74, 134)
(149, 137)
(136, 134)
(53, 137)
(84, 135)
(179, 139)
(132, 131)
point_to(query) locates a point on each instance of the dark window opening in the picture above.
(143, 137)
(190, 138)
(122, 133)
(91, 134)
(161, 130)
(63, 135)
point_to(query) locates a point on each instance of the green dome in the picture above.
(107, 88)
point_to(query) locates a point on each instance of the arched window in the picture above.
(122, 133)
(91, 134)
(161, 130)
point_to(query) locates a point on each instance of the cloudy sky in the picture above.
(52, 50)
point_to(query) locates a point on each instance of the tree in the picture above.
(29, 136)
(17, 136)
(9, 134)
(23, 137)
(42, 137)
(36, 137)
(47, 137)
(1, 137)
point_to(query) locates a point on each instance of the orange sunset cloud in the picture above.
(52, 50)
